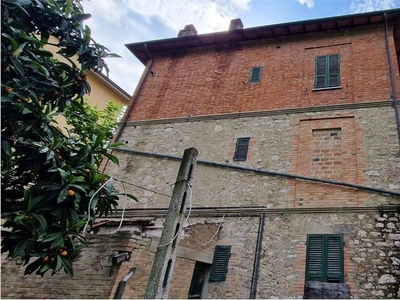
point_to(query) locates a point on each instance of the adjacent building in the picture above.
(296, 192)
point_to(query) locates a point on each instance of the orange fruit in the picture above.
(8, 89)
(45, 259)
(70, 193)
(64, 253)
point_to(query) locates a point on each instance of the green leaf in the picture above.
(19, 250)
(52, 236)
(116, 144)
(26, 110)
(99, 178)
(44, 269)
(58, 242)
(63, 195)
(19, 50)
(13, 42)
(5, 146)
(42, 221)
(33, 266)
(33, 202)
(128, 195)
(67, 267)
(59, 264)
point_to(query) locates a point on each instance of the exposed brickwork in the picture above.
(326, 153)
(326, 148)
(205, 81)
(88, 274)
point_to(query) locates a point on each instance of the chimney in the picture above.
(188, 30)
(235, 24)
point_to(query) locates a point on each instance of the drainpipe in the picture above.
(133, 100)
(256, 267)
(122, 284)
(394, 93)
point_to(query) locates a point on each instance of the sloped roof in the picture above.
(142, 50)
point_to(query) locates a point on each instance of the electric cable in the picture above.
(90, 202)
(120, 224)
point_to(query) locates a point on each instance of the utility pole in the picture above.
(164, 261)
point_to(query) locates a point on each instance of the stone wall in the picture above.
(377, 256)
(370, 159)
(371, 258)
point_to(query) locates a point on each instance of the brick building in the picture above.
(297, 186)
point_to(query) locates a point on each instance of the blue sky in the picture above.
(115, 23)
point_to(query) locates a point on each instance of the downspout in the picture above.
(122, 284)
(256, 267)
(133, 100)
(394, 92)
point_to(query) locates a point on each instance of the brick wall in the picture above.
(90, 281)
(327, 147)
(206, 81)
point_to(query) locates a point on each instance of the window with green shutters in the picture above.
(220, 262)
(242, 147)
(255, 75)
(325, 258)
(327, 71)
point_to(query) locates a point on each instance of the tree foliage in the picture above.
(91, 120)
(51, 187)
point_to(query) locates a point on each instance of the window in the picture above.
(325, 258)
(327, 71)
(198, 279)
(242, 147)
(255, 75)
(220, 262)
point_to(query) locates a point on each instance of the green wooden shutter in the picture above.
(255, 75)
(315, 258)
(220, 262)
(334, 260)
(320, 72)
(242, 147)
(327, 71)
(334, 70)
(325, 258)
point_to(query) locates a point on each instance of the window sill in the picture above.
(327, 88)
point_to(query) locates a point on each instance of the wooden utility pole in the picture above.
(164, 261)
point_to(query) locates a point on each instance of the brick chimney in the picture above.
(188, 30)
(236, 24)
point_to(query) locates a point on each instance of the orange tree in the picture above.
(50, 183)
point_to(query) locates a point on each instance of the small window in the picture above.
(242, 147)
(325, 258)
(327, 71)
(198, 279)
(220, 262)
(255, 75)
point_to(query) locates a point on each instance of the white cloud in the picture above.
(118, 22)
(205, 15)
(359, 6)
(309, 3)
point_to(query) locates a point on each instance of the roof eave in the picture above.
(259, 32)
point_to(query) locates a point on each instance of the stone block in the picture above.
(326, 290)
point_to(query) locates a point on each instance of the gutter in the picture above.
(254, 211)
(264, 172)
(256, 267)
(394, 92)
